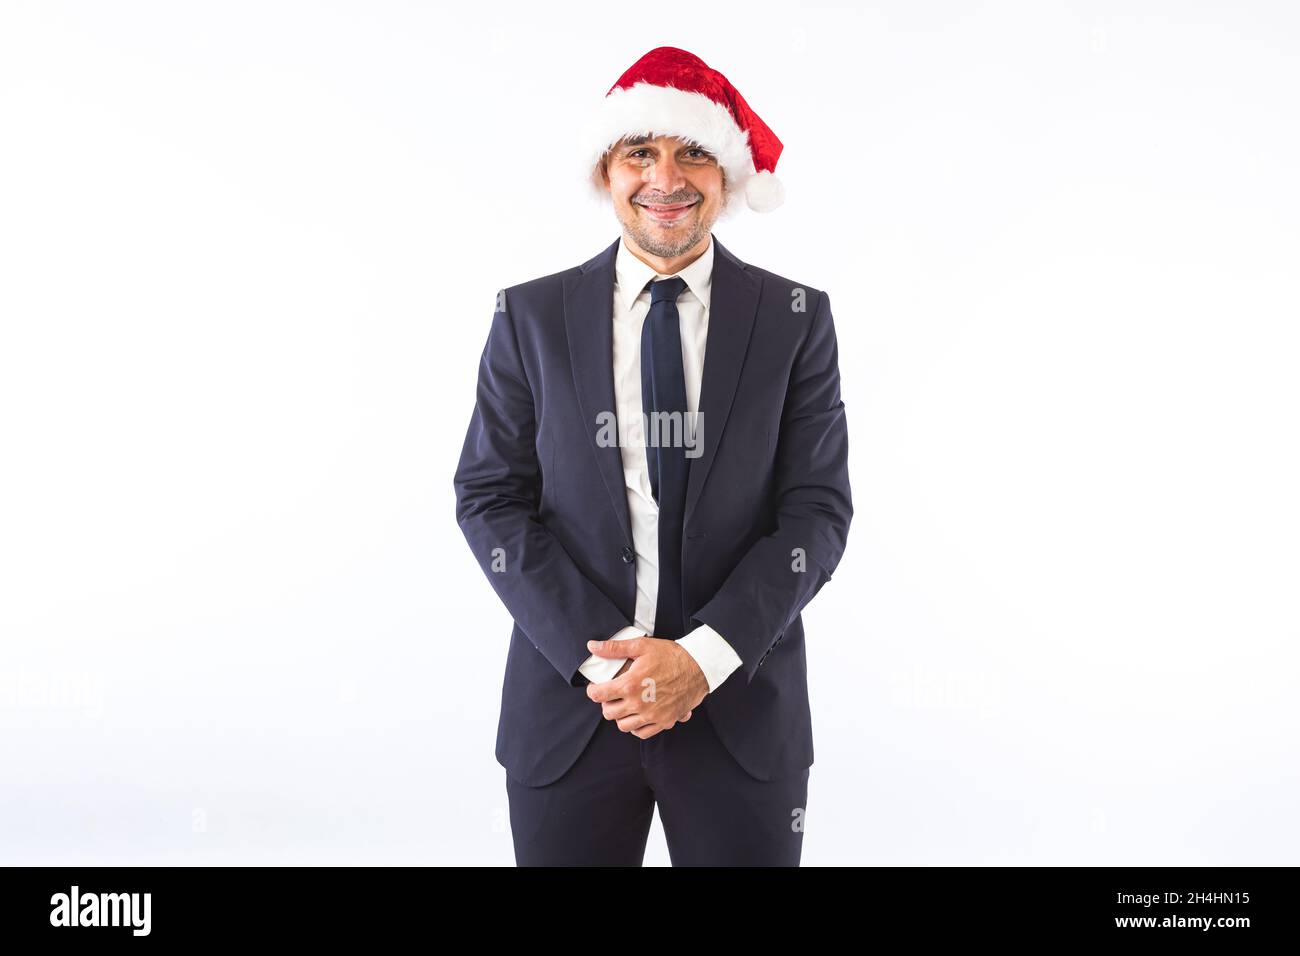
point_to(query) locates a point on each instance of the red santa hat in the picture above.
(669, 92)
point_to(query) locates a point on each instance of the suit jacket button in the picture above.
(627, 556)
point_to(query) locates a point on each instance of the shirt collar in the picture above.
(631, 275)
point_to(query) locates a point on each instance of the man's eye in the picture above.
(694, 152)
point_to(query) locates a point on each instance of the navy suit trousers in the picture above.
(712, 811)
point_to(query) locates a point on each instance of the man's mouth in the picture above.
(667, 212)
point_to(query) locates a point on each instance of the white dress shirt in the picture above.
(717, 659)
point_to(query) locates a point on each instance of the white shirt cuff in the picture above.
(715, 656)
(597, 669)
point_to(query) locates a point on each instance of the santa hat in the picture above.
(669, 92)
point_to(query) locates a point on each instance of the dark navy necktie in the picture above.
(663, 399)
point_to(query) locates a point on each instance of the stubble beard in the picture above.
(676, 243)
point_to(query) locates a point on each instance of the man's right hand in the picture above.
(622, 670)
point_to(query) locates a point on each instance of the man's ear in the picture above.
(600, 176)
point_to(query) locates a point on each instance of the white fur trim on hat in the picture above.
(764, 192)
(644, 109)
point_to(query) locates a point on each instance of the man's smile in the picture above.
(668, 213)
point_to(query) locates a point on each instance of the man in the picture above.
(655, 522)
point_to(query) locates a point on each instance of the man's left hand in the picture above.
(661, 684)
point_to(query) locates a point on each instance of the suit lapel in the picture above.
(732, 309)
(589, 326)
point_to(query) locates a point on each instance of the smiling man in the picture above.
(656, 583)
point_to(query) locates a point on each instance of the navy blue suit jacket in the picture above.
(543, 505)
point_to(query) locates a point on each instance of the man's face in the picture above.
(667, 193)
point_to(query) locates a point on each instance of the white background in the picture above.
(248, 256)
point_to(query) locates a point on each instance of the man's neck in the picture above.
(671, 266)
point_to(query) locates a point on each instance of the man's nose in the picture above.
(665, 175)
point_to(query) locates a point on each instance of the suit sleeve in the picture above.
(498, 483)
(782, 571)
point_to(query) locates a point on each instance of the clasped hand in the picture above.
(658, 686)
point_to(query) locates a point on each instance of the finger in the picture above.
(647, 731)
(631, 722)
(613, 689)
(685, 717)
(632, 647)
(607, 648)
(616, 709)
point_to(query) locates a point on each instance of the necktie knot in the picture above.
(666, 290)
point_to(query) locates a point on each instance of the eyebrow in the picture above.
(641, 139)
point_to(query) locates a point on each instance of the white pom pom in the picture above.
(764, 192)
